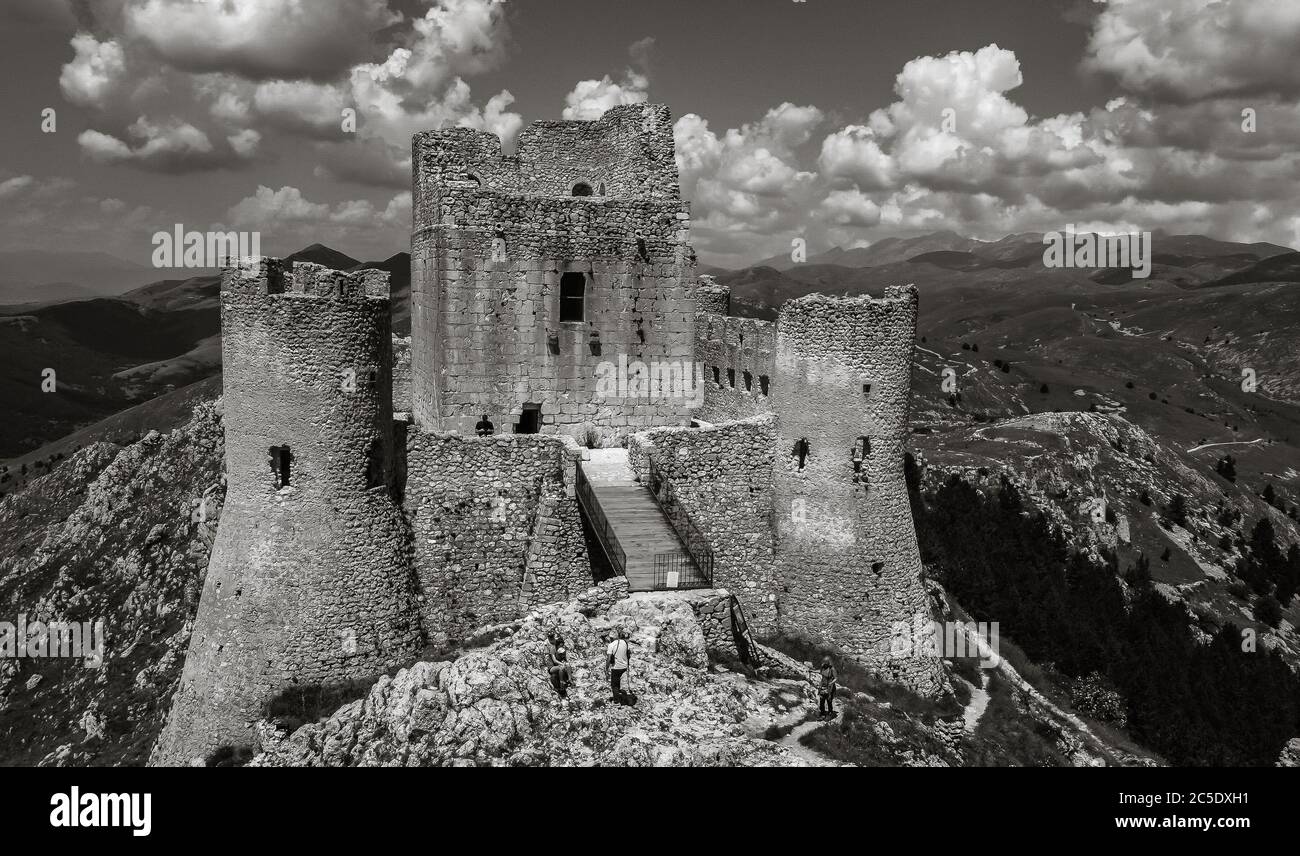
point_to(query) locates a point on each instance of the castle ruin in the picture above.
(638, 429)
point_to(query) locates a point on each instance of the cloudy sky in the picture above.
(839, 121)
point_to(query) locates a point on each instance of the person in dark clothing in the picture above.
(617, 661)
(557, 656)
(826, 692)
(484, 427)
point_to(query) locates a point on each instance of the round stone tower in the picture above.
(310, 580)
(846, 542)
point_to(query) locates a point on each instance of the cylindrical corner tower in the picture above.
(846, 543)
(310, 580)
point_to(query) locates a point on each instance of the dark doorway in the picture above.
(573, 297)
(530, 421)
(582, 188)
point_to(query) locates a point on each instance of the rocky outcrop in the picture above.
(496, 706)
(122, 535)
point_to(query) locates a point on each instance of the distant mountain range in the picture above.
(1018, 250)
(112, 352)
(33, 275)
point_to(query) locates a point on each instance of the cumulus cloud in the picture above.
(955, 151)
(259, 39)
(1195, 49)
(170, 146)
(853, 154)
(238, 76)
(97, 70)
(590, 99)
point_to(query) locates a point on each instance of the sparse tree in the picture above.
(1268, 610)
(1178, 510)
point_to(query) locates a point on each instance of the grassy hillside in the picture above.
(110, 354)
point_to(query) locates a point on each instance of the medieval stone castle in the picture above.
(554, 295)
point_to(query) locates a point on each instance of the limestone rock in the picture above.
(495, 706)
(1290, 756)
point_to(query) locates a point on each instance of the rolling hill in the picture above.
(34, 276)
(111, 353)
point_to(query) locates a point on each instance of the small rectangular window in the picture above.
(573, 297)
(763, 383)
(281, 462)
(731, 378)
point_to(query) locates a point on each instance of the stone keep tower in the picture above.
(537, 275)
(846, 541)
(310, 579)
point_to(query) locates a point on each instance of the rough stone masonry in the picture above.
(354, 535)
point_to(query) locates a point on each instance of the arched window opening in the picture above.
(573, 297)
(582, 188)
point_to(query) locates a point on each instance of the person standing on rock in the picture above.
(617, 661)
(826, 692)
(557, 656)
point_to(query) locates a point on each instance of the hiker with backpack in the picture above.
(557, 656)
(618, 659)
(826, 691)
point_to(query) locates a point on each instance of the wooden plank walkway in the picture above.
(638, 523)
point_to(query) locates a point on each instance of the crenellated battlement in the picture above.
(266, 277)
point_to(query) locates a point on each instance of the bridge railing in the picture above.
(600, 524)
(675, 566)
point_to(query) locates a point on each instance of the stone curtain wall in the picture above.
(742, 351)
(713, 609)
(493, 238)
(401, 374)
(845, 540)
(723, 478)
(309, 583)
(496, 527)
